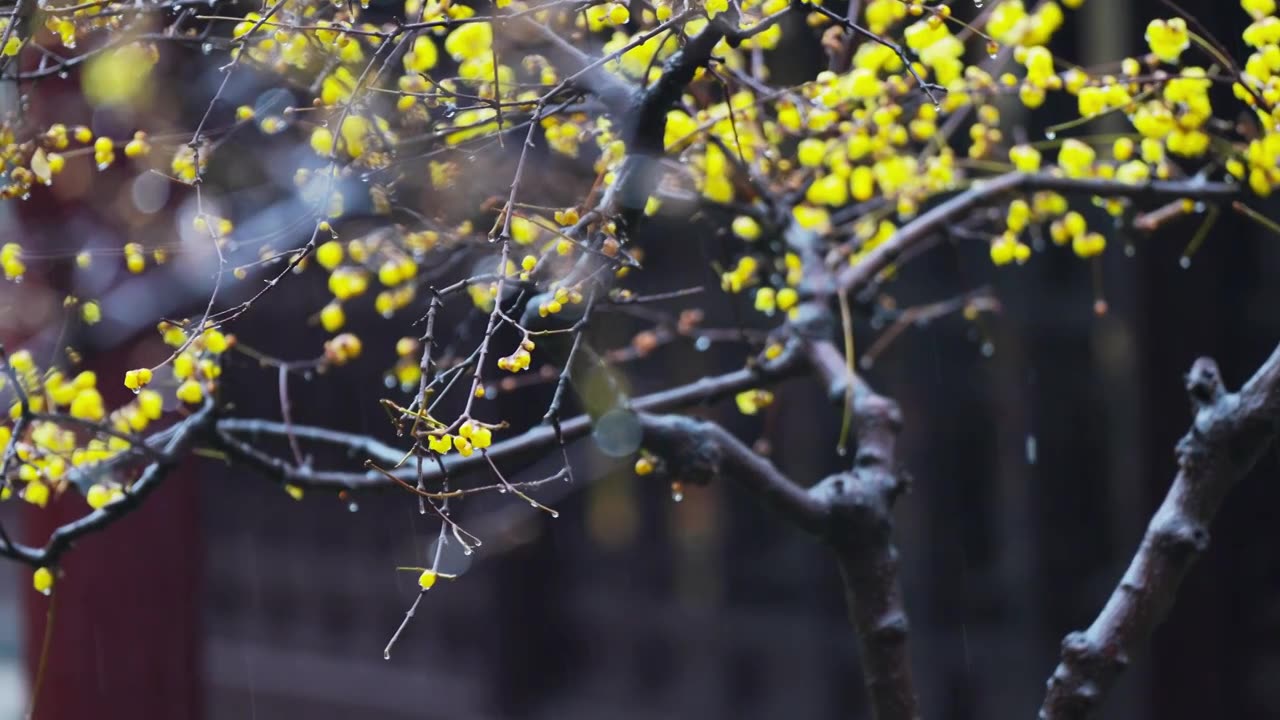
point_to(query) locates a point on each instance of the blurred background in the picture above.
(1039, 442)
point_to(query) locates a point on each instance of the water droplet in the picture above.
(841, 450)
(977, 3)
(702, 344)
(1200, 206)
(206, 48)
(677, 496)
(1032, 449)
(554, 514)
(1184, 262)
(352, 506)
(46, 592)
(466, 551)
(386, 654)
(64, 75)
(502, 490)
(988, 349)
(1050, 135)
(1130, 250)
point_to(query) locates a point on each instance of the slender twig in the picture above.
(858, 276)
(230, 432)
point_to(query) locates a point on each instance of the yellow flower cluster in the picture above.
(471, 436)
(751, 402)
(11, 261)
(518, 360)
(52, 449)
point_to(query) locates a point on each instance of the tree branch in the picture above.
(1228, 435)
(856, 277)
(860, 532)
(61, 540)
(524, 445)
(705, 451)
(850, 512)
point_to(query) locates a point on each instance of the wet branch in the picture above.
(236, 436)
(1230, 432)
(850, 512)
(856, 277)
(171, 453)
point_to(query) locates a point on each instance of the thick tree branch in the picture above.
(860, 504)
(856, 277)
(851, 512)
(1228, 435)
(702, 451)
(645, 125)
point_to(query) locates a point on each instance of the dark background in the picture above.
(1034, 473)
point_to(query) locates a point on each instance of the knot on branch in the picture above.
(813, 321)
(859, 505)
(687, 447)
(1215, 413)
(1204, 382)
(876, 414)
(1179, 536)
(1075, 691)
(892, 627)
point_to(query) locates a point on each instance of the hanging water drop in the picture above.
(386, 654)
(352, 506)
(988, 349)
(1184, 262)
(1050, 135)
